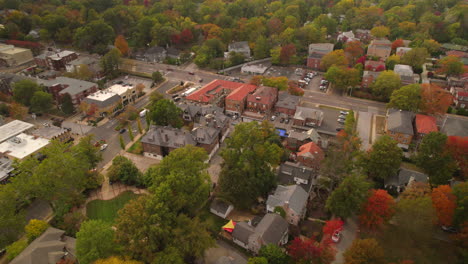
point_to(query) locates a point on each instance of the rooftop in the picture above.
(49, 132)
(263, 95)
(455, 126)
(286, 100)
(10, 49)
(303, 113)
(5, 167)
(400, 121)
(13, 128)
(75, 86)
(101, 95)
(321, 48)
(22, 146)
(119, 89)
(212, 89)
(294, 195)
(403, 70)
(241, 92)
(310, 150)
(60, 55)
(168, 137)
(404, 176)
(240, 45)
(425, 124)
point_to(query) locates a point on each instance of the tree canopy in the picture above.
(164, 113)
(384, 158)
(94, 241)
(406, 98)
(386, 83)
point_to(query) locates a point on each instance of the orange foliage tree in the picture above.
(378, 208)
(397, 43)
(435, 100)
(354, 50)
(458, 147)
(331, 226)
(444, 202)
(121, 44)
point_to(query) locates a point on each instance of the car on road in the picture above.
(103, 147)
(286, 121)
(46, 124)
(336, 237)
(122, 130)
(169, 69)
(191, 73)
(143, 112)
(344, 112)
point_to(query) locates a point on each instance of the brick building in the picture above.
(316, 53)
(287, 103)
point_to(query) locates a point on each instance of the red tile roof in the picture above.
(211, 90)
(266, 95)
(425, 124)
(241, 92)
(462, 93)
(310, 148)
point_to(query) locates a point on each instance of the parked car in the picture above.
(122, 130)
(177, 99)
(342, 116)
(311, 124)
(273, 118)
(341, 121)
(191, 73)
(336, 237)
(344, 112)
(339, 129)
(103, 147)
(46, 124)
(449, 229)
(323, 82)
(286, 121)
(281, 120)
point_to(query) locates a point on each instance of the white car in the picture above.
(103, 147)
(336, 236)
(342, 117)
(344, 112)
(341, 121)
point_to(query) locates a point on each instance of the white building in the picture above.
(127, 92)
(22, 146)
(256, 69)
(13, 128)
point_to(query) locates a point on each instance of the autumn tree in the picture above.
(406, 98)
(458, 148)
(342, 77)
(435, 100)
(431, 45)
(117, 260)
(121, 44)
(336, 57)
(364, 251)
(451, 66)
(331, 226)
(415, 58)
(309, 250)
(378, 209)
(397, 43)
(354, 49)
(384, 158)
(287, 54)
(444, 203)
(435, 158)
(386, 83)
(347, 198)
(35, 228)
(416, 190)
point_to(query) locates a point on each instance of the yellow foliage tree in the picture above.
(35, 228)
(116, 260)
(121, 44)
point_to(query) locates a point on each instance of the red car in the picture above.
(191, 73)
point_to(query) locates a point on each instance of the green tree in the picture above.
(110, 63)
(461, 212)
(12, 220)
(236, 58)
(262, 48)
(251, 153)
(386, 83)
(434, 157)
(342, 77)
(35, 228)
(122, 143)
(406, 98)
(273, 254)
(140, 129)
(347, 198)
(157, 77)
(164, 113)
(124, 170)
(380, 31)
(415, 58)
(24, 90)
(41, 102)
(16, 248)
(169, 255)
(275, 55)
(384, 159)
(94, 36)
(364, 251)
(350, 123)
(415, 218)
(86, 151)
(130, 132)
(94, 241)
(67, 104)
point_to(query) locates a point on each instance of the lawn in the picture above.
(136, 148)
(107, 210)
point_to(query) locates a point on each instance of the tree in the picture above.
(458, 147)
(262, 48)
(392, 61)
(236, 58)
(116, 260)
(431, 45)
(435, 159)
(364, 251)
(311, 251)
(397, 43)
(16, 248)
(386, 83)
(41, 102)
(35, 228)
(124, 170)
(24, 90)
(67, 104)
(451, 66)
(287, 54)
(251, 153)
(164, 113)
(384, 158)
(280, 82)
(130, 132)
(444, 203)
(122, 143)
(140, 128)
(354, 49)
(461, 213)
(275, 55)
(415, 218)
(157, 77)
(94, 36)
(380, 31)
(94, 241)
(121, 44)
(342, 77)
(110, 63)
(336, 57)
(416, 190)
(273, 254)
(378, 209)
(348, 197)
(331, 226)
(406, 98)
(435, 100)
(415, 58)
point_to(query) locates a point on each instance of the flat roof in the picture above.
(22, 145)
(49, 132)
(13, 128)
(119, 89)
(101, 96)
(60, 55)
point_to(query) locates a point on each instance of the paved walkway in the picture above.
(108, 192)
(224, 252)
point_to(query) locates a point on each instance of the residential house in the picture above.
(214, 120)
(346, 36)
(380, 48)
(160, 141)
(221, 208)
(237, 99)
(404, 178)
(405, 72)
(374, 65)
(401, 51)
(307, 117)
(363, 35)
(41, 59)
(424, 125)
(294, 173)
(53, 133)
(207, 138)
(241, 47)
(262, 100)
(450, 46)
(460, 97)
(77, 89)
(272, 229)
(399, 126)
(153, 54)
(11, 56)
(299, 138)
(368, 78)
(287, 103)
(193, 112)
(310, 155)
(316, 53)
(53, 246)
(173, 53)
(92, 63)
(292, 199)
(453, 125)
(58, 61)
(456, 53)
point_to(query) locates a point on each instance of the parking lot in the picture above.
(133, 80)
(330, 117)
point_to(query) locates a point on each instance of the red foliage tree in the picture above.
(444, 203)
(275, 26)
(287, 52)
(378, 208)
(435, 100)
(354, 49)
(397, 43)
(175, 39)
(458, 147)
(92, 109)
(146, 3)
(186, 35)
(331, 226)
(311, 251)
(294, 89)
(362, 60)
(380, 68)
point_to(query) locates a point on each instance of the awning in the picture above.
(229, 227)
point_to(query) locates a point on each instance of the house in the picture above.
(374, 65)
(380, 48)
(92, 63)
(456, 53)
(105, 103)
(254, 68)
(299, 138)
(77, 89)
(424, 125)
(193, 112)
(53, 246)
(368, 78)
(307, 117)
(399, 126)
(346, 36)
(363, 35)
(241, 47)
(58, 61)
(160, 141)
(207, 138)
(294, 173)
(8, 79)
(153, 54)
(11, 56)
(292, 199)
(316, 53)
(272, 229)
(53, 133)
(287, 103)
(400, 51)
(405, 72)
(460, 97)
(310, 155)
(450, 46)
(453, 125)
(221, 208)
(237, 99)
(173, 53)
(404, 178)
(262, 100)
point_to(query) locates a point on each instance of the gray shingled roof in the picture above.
(240, 45)
(205, 135)
(285, 100)
(403, 177)
(219, 206)
(271, 228)
(168, 137)
(242, 232)
(75, 86)
(49, 132)
(302, 113)
(455, 126)
(400, 121)
(288, 171)
(294, 195)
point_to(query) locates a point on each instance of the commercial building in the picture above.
(53, 133)
(77, 89)
(13, 56)
(22, 146)
(287, 103)
(262, 100)
(316, 53)
(106, 103)
(127, 92)
(13, 129)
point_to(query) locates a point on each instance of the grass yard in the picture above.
(136, 148)
(213, 222)
(107, 210)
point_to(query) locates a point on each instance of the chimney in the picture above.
(166, 137)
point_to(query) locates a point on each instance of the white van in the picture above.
(143, 112)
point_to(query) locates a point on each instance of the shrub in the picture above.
(16, 248)
(35, 228)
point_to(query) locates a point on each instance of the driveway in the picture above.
(364, 128)
(348, 235)
(224, 250)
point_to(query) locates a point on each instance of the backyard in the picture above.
(106, 210)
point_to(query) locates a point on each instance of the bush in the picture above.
(462, 112)
(71, 222)
(35, 228)
(16, 248)
(4, 110)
